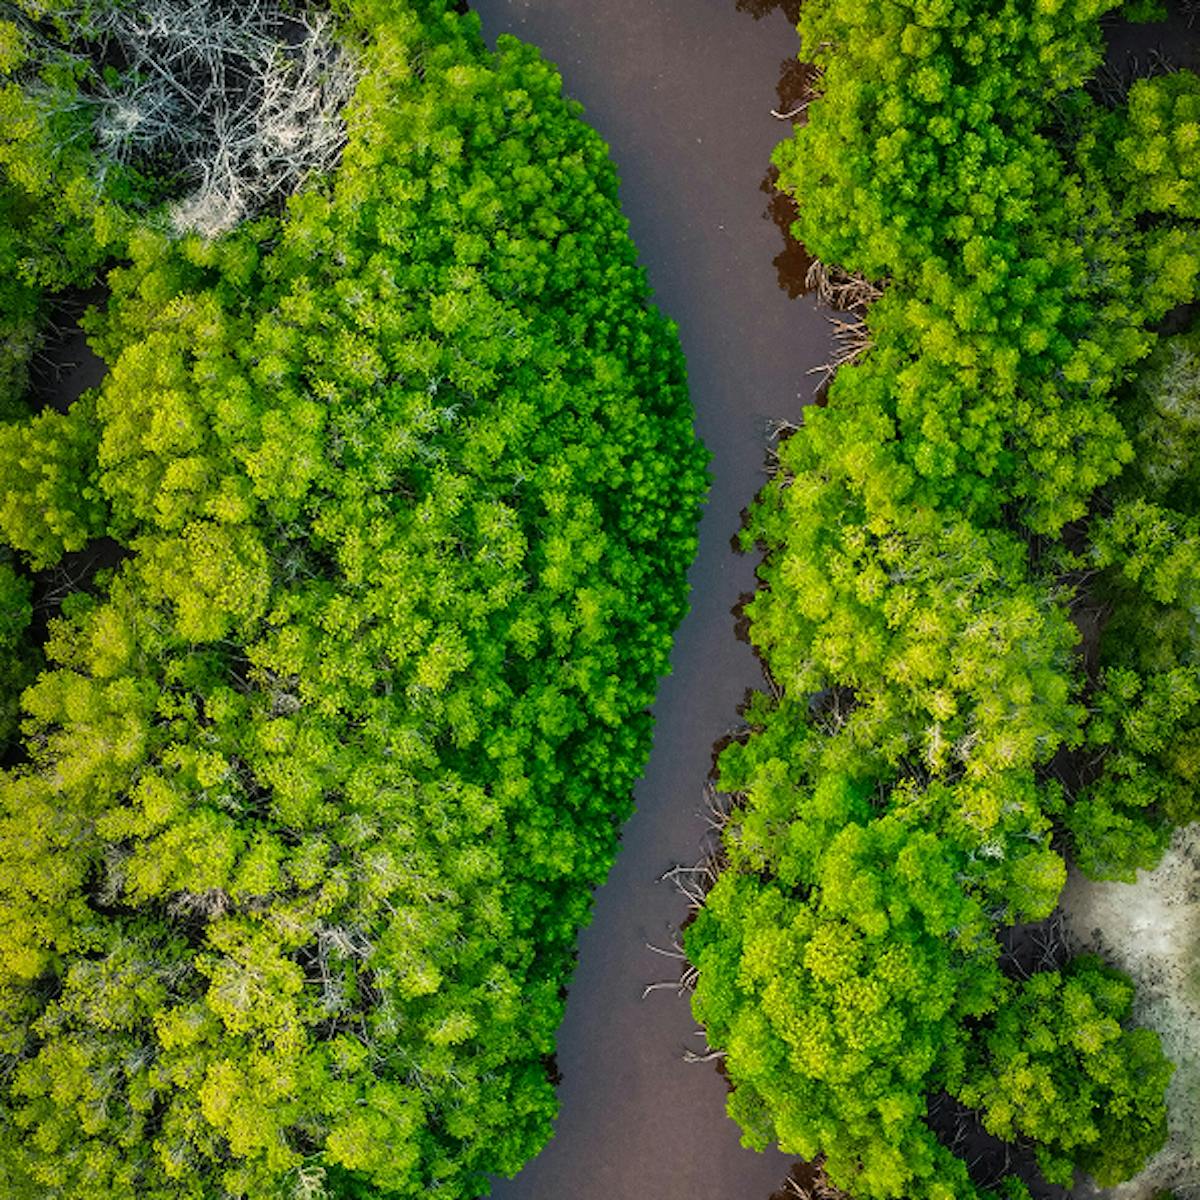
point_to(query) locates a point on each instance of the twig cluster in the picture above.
(1039, 946)
(811, 75)
(694, 883)
(344, 943)
(812, 1183)
(852, 339)
(1110, 85)
(309, 1182)
(844, 291)
(688, 975)
(239, 102)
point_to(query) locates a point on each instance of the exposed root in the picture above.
(688, 975)
(853, 340)
(694, 883)
(797, 98)
(808, 1181)
(717, 809)
(676, 951)
(683, 986)
(690, 1056)
(841, 290)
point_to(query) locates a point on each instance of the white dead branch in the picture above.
(688, 974)
(693, 883)
(794, 112)
(690, 1056)
(717, 809)
(309, 1183)
(240, 101)
(809, 91)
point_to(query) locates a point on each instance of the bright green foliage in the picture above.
(956, 659)
(1163, 414)
(1152, 548)
(323, 778)
(1144, 10)
(842, 951)
(934, 724)
(1019, 278)
(1158, 153)
(1059, 1065)
(1150, 727)
(1146, 712)
(49, 499)
(835, 1015)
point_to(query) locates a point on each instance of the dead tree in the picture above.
(241, 102)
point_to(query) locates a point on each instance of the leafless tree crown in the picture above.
(240, 101)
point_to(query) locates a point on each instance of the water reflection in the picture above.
(796, 89)
(792, 263)
(759, 8)
(800, 273)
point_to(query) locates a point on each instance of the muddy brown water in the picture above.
(682, 90)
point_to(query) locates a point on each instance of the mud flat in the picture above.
(1151, 929)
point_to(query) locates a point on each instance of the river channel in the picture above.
(682, 91)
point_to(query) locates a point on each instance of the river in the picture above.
(682, 90)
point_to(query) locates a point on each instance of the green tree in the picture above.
(1058, 1064)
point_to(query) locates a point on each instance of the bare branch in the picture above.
(242, 100)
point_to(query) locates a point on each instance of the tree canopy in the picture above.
(1005, 453)
(319, 780)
